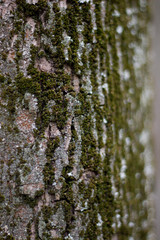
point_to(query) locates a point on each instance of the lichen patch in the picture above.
(25, 121)
(43, 65)
(31, 188)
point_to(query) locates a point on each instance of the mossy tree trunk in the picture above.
(72, 112)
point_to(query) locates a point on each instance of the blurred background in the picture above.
(155, 37)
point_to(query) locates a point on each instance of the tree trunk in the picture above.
(73, 107)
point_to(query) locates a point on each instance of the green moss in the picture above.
(8, 237)
(18, 26)
(29, 231)
(32, 10)
(8, 210)
(2, 78)
(26, 171)
(48, 173)
(47, 213)
(17, 178)
(58, 57)
(39, 193)
(9, 93)
(4, 56)
(2, 198)
(71, 19)
(32, 202)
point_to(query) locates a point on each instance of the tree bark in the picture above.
(72, 113)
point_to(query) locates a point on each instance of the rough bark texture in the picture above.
(72, 111)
